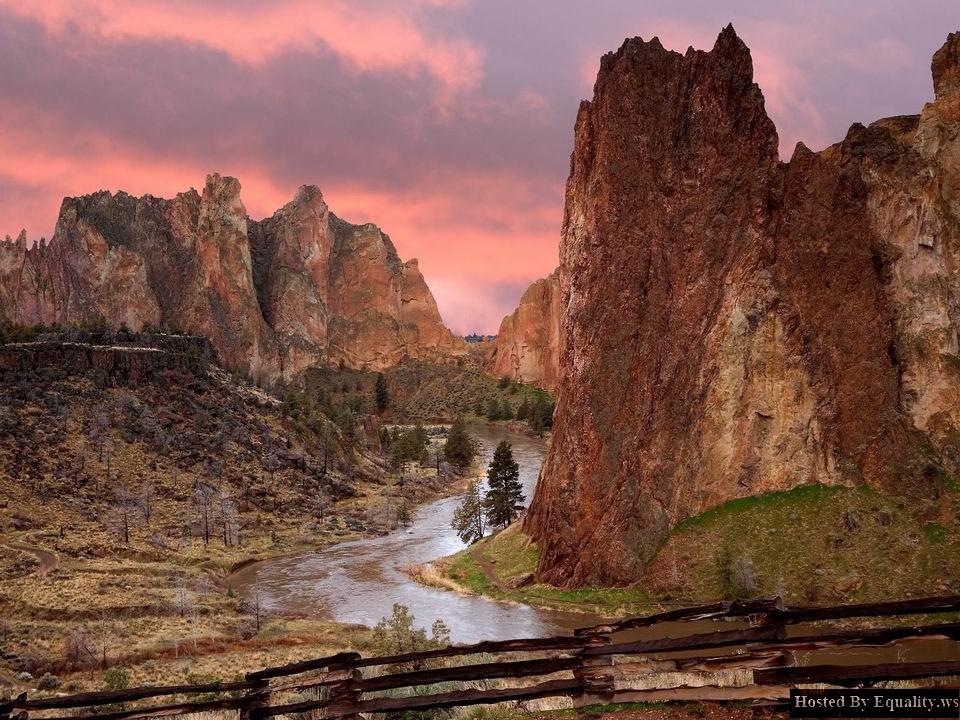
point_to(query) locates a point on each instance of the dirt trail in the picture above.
(488, 569)
(48, 560)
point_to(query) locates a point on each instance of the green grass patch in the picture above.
(464, 569)
(812, 544)
(512, 552)
(935, 533)
(795, 498)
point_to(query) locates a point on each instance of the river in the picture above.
(359, 581)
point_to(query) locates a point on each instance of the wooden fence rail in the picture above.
(750, 661)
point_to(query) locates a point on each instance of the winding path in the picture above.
(48, 560)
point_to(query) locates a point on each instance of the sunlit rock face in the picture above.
(299, 288)
(732, 324)
(527, 347)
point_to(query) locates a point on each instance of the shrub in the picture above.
(116, 678)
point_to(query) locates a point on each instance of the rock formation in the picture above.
(733, 324)
(527, 347)
(299, 288)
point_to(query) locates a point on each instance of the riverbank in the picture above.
(811, 545)
(76, 602)
(502, 566)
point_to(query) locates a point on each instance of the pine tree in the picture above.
(381, 395)
(505, 495)
(458, 450)
(468, 517)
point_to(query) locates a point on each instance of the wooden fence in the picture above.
(752, 661)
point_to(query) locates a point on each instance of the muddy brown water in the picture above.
(359, 581)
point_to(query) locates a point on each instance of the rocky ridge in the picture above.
(299, 288)
(733, 324)
(527, 347)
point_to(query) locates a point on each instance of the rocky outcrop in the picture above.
(734, 325)
(114, 365)
(296, 289)
(527, 347)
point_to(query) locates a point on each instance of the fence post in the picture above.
(259, 699)
(595, 672)
(345, 695)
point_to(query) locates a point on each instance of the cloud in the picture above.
(370, 36)
(446, 122)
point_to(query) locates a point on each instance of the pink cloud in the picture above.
(371, 38)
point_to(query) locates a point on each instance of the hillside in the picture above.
(135, 473)
(425, 392)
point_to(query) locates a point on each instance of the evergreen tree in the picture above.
(381, 395)
(541, 412)
(468, 517)
(493, 410)
(458, 450)
(505, 495)
(523, 410)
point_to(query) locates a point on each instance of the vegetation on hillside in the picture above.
(420, 391)
(124, 509)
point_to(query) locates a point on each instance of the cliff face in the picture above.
(296, 289)
(734, 325)
(527, 347)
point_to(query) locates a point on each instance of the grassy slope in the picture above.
(513, 556)
(419, 390)
(813, 544)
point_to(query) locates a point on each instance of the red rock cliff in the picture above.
(527, 347)
(734, 325)
(296, 289)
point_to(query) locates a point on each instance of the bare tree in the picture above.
(182, 598)
(78, 649)
(323, 503)
(228, 516)
(145, 499)
(125, 508)
(203, 499)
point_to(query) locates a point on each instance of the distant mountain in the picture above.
(300, 288)
(732, 324)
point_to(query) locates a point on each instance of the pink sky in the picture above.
(446, 122)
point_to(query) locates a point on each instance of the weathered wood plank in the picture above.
(776, 610)
(919, 606)
(866, 638)
(131, 694)
(483, 671)
(164, 710)
(695, 612)
(850, 674)
(563, 642)
(325, 679)
(462, 698)
(346, 659)
(699, 641)
(691, 694)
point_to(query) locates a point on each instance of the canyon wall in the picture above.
(527, 347)
(299, 288)
(732, 324)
